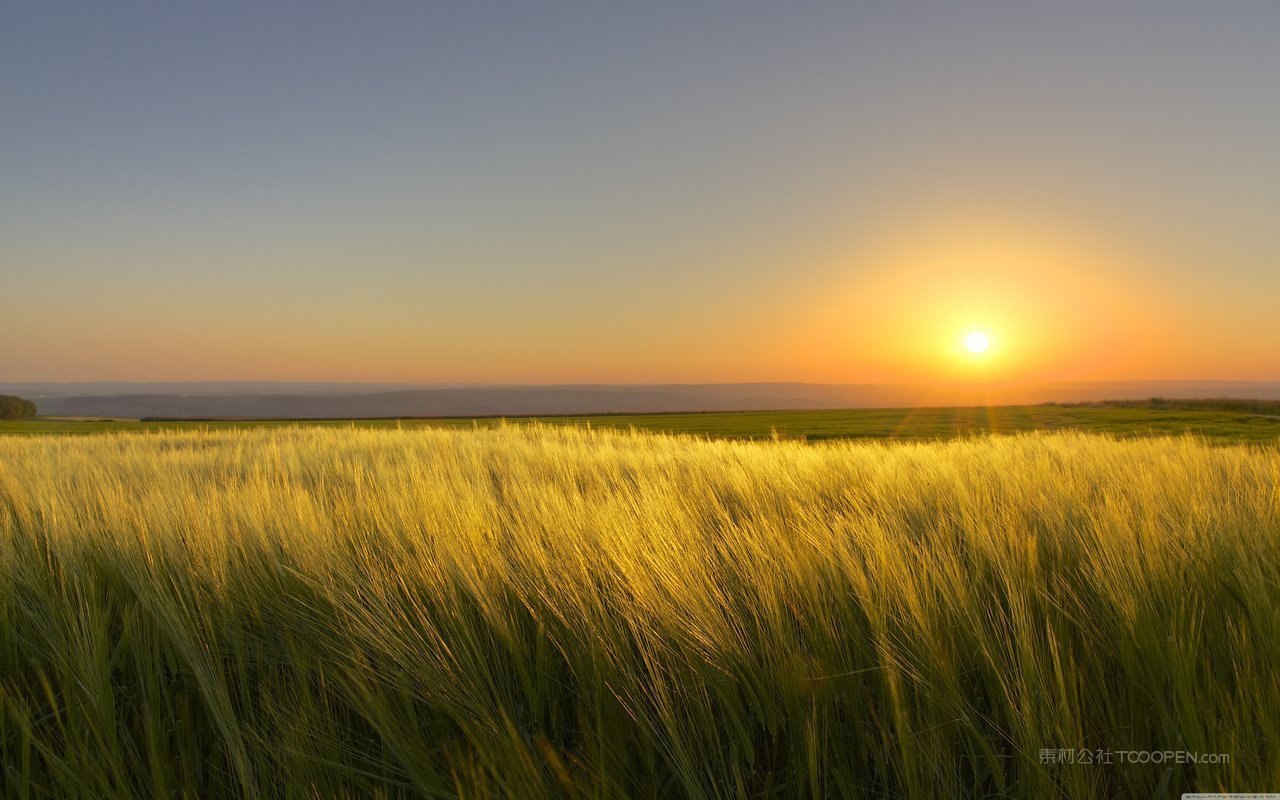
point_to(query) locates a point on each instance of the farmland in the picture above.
(536, 610)
(1222, 421)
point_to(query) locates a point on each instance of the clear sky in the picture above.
(639, 192)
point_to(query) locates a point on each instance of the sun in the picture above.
(977, 342)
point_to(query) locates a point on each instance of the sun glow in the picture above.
(957, 303)
(977, 342)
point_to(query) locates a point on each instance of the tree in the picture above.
(16, 408)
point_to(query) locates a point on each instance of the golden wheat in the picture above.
(545, 612)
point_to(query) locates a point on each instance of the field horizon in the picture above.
(1222, 420)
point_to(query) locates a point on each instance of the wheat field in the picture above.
(535, 611)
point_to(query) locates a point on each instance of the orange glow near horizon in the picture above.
(1049, 311)
(1054, 308)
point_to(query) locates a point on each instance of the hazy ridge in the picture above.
(338, 400)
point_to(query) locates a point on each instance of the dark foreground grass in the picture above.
(1228, 421)
(549, 612)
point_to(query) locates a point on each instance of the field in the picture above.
(1223, 421)
(531, 611)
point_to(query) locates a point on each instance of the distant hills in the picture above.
(336, 400)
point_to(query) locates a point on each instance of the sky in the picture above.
(570, 192)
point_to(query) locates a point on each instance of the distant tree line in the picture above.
(1242, 404)
(16, 408)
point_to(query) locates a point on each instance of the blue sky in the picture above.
(472, 192)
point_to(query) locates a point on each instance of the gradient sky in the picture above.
(572, 192)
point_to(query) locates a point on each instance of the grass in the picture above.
(548, 611)
(1217, 420)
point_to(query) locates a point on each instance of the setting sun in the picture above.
(977, 342)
